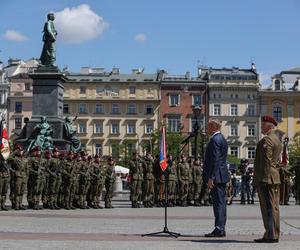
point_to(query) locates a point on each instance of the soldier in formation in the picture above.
(55, 179)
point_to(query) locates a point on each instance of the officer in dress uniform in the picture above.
(267, 179)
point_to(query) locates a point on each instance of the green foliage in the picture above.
(233, 160)
(294, 153)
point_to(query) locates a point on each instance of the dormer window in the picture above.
(277, 85)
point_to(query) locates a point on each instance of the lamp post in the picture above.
(196, 113)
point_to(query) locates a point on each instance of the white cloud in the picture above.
(140, 37)
(14, 35)
(79, 24)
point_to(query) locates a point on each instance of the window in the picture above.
(197, 100)
(236, 96)
(277, 113)
(131, 108)
(149, 109)
(234, 151)
(251, 110)
(99, 108)
(115, 109)
(251, 152)
(18, 123)
(132, 90)
(99, 90)
(115, 128)
(174, 100)
(149, 128)
(234, 130)
(18, 107)
(277, 85)
(27, 86)
(220, 96)
(98, 127)
(217, 109)
(82, 108)
(82, 128)
(98, 149)
(215, 96)
(174, 123)
(233, 109)
(66, 108)
(251, 130)
(131, 128)
(82, 90)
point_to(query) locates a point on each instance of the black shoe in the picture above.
(215, 234)
(262, 240)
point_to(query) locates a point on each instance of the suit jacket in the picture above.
(215, 162)
(266, 163)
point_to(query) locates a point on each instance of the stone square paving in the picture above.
(121, 228)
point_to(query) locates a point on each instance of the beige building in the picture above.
(233, 98)
(20, 94)
(113, 109)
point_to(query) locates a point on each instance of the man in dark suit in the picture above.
(215, 174)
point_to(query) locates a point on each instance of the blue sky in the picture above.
(174, 35)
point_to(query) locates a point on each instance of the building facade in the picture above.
(233, 99)
(113, 110)
(20, 94)
(4, 90)
(179, 95)
(282, 100)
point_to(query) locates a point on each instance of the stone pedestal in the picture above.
(48, 92)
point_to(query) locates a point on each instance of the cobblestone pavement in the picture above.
(121, 228)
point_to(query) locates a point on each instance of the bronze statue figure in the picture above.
(48, 56)
(70, 135)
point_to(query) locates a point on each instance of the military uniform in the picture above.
(136, 173)
(183, 178)
(172, 180)
(19, 166)
(197, 182)
(267, 180)
(4, 182)
(148, 182)
(109, 182)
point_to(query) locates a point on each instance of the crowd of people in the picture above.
(57, 179)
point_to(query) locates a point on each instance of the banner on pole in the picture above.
(163, 150)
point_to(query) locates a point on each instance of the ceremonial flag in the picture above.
(5, 151)
(163, 150)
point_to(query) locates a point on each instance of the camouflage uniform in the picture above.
(109, 182)
(67, 181)
(4, 182)
(136, 174)
(172, 179)
(148, 182)
(183, 178)
(197, 182)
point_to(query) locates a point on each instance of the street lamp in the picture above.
(197, 113)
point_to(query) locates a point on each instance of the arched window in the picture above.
(277, 113)
(277, 85)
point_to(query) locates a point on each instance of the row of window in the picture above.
(131, 90)
(115, 108)
(115, 128)
(234, 110)
(232, 96)
(174, 99)
(233, 131)
(234, 150)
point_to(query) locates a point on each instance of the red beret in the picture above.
(18, 147)
(268, 118)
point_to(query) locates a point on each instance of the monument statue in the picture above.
(48, 56)
(41, 136)
(70, 135)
